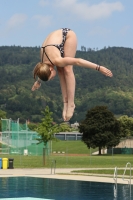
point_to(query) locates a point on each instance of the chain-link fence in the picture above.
(18, 139)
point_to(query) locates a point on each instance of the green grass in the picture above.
(71, 147)
(67, 160)
(92, 161)
(21, 161)
(63, 161)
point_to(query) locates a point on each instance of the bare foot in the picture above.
(64, 111)
(70, 111)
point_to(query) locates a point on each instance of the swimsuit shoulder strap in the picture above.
(46, 54)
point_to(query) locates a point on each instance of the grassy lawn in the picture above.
(105, 161)
(71, 147)
(76, 155)
(64, 161)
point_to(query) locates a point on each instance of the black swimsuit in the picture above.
(59, 46)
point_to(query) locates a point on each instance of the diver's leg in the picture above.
(70, 51)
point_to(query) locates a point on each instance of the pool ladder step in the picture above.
(129, 181)
(123, 178)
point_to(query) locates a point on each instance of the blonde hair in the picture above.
(42, 71)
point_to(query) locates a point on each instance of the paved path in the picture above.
(59, 174)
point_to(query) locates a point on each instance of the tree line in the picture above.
(92, 88)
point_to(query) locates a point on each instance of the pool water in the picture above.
(30, 188)
(24, 198)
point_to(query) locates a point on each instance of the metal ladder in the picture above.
(129, 181)
(115, 180)
(53, 166)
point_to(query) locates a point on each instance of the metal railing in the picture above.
(115, 175)
(115, 180)
(130, 176)
(53, 166)
(123, 177)
(129, 181)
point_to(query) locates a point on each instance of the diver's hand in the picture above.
(36, 86)
(105, 71)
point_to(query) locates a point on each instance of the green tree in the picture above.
(100, 128)
(65, 127)
(2, 115)
(32, 126)
(126, 125)
(47, 128)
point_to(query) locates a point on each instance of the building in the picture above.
(69, 135)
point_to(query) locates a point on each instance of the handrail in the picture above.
(53, 164)
(115, 175)
(115, 179)
(129, 181)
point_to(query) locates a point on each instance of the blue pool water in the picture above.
(28, 188)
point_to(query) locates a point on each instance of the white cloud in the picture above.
(43, 21)
(16, 20)
(13, 24)
(89, 12)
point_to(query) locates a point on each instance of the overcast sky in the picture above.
(97, 23)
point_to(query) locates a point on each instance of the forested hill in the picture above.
(92, 88)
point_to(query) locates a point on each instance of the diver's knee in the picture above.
(68, 69)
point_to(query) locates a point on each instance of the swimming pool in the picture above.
(56, 189)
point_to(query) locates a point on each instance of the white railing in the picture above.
(115, 180)
(123, 177)
(53, 166)
(115, 175)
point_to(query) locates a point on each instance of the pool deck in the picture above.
(60, 173)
